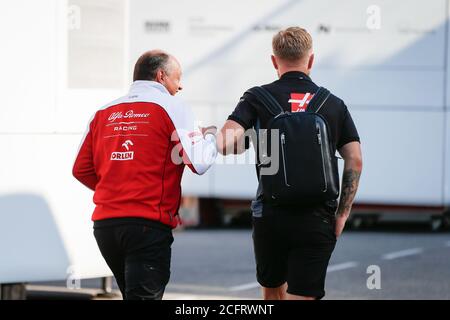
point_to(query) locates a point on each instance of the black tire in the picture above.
(356, 222)
(371, 220)
(446, 221)
(436, 223)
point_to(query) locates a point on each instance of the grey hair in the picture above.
(149, 63)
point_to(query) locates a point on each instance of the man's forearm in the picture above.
(230, 140)
(350, 182)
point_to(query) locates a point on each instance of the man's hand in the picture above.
(209, 130)
(340, 224)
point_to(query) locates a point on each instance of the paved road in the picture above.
(414, 263)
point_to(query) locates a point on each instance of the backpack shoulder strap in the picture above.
(267, 100)
(318, 101)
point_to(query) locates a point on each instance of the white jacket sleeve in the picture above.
(200, 152)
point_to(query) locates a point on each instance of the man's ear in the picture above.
(311, 61)
(274, 62)
(160, 76)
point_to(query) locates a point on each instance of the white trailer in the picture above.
(388, 60)
(63, 59)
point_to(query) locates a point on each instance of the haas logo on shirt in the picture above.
(124, 156)
(299, 101)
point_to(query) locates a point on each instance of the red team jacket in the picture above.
(134, 153)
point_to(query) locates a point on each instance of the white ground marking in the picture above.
(342, 266)
(402, 253)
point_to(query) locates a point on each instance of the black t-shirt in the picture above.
(293, 91)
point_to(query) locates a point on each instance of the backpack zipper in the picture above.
(283, 143)
(319, 138)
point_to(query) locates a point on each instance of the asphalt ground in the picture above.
(390, 261)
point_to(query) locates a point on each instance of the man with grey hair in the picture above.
(293, 243)
(133, 157)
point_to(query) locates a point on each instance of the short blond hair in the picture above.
(292, 44)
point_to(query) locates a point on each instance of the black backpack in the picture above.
(308, 170)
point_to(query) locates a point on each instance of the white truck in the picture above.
(61, 60)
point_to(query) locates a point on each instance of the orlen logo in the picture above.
(127, 144)
(124, 156)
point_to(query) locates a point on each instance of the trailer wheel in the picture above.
(436, 223)
(370, 220)
(356, 222)
(446, 221)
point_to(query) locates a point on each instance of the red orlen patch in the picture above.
(299, 101)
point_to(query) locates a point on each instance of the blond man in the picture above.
(294, 243)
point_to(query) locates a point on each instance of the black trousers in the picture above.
(139, 257)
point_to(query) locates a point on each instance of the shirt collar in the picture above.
(295, 74)
(145, 85)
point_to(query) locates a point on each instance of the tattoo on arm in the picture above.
(350, 182)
